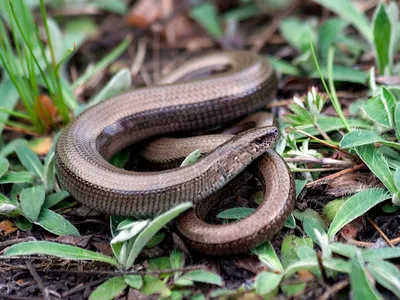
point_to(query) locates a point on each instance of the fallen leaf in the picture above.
(41, 146)
(7, 227)
(80, 241)
(144, 13)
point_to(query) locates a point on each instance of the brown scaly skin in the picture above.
(93, 137)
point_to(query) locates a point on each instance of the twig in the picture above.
(315, 169)
(322, 268)
(139, 58)
(81, 287)
(16, 241)
(35, 275)
(322, 161)
(331, 291)
(12, 297)
(335, 175)
(384, 236)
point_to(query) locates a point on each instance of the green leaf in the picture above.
(30, 161)
(342, 74)
(332, 208)
(153, 285)
(386, 274)
(312, 265)
(375, 110)
(284, 67)
(364, 137)
(347, 11)
(397, 120)
(119, 83)
(58, 250)
(110, 289)
(356, 206)
(381, 253)
(389, 104)
(134, 281)
(327, 34)
(297, 33)
(397, 179)
(289, 248)
(31, 201)
(55, 198)
(235, 213)
(9, 98)
(361, 286)
(4, 165)
(383, 39)
(300, 184)
(56, 223)
(203, 276)
(191, 158)
(10, 147)
(206, 15)
(266, 254)
(159, 222)
(310, 224)
(266, 282)
(378, 164)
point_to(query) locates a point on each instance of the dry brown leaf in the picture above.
(7, 227)
(41, 146)
(144, 13)
(46, 109)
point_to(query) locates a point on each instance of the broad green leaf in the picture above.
(361, 285)
(284, 67)
(389, 104)
(177, 259)
(397, 179)
(306, 252)
(300, 184)
(156, 239)
(364, 137)
(8, 99)
(134, 281)
(153, 285)
(359, 138)
(159, 222)
(327, 34)
(290, 222)
(241, 13)
(346, 10)
(397, 120)
(310, 224)
(356, 206)
(4, 165)
(118, 7)
(118, 84)
(235, 213)
(266, 282)
(378, 164)
(30, 160)
(159, 263)
(55, 198)
(386, 274)
(56, 223)
(31, 201)
(329, 124)
(203, 276)
(109, 289)
(381, 253)
(342, 74)
(332, 208)
(10, 147)
(130, 232)
(58, 250)
(206, 14)
(266, 254)
(375, 110)
(334, 264)
(383, 39)
(297, 33)
(289, 248)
